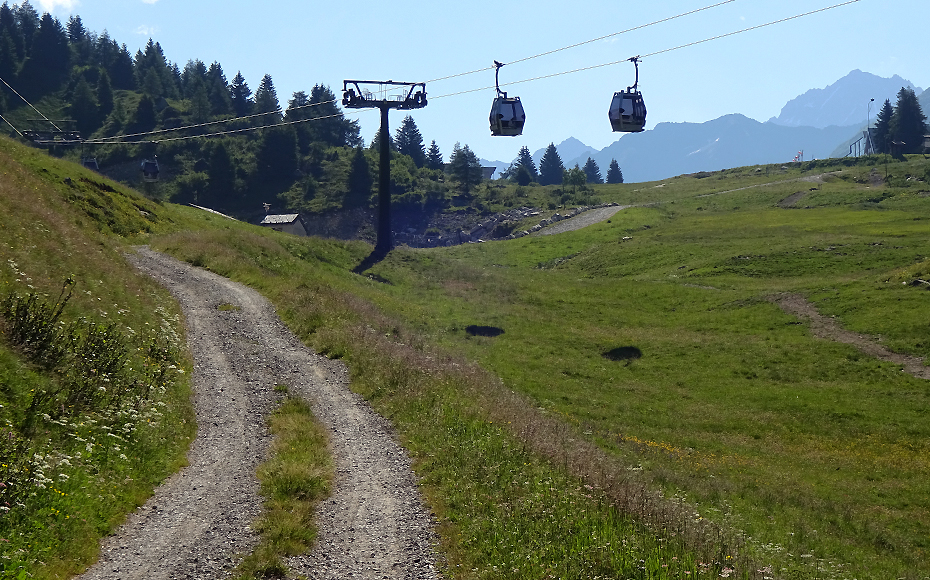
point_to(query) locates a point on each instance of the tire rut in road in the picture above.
(197, 524)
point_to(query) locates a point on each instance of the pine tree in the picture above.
(27, 20)
(81, 47)
(908, 123)
(8, 57)
(465, 167)
(434, 157)
(76, 30)
(358, 181)
(614, 175)
(200, 105)
(551, 170)
(525, 160)
(218, 90)
(144, 118)
(241, 96)
(592, 171)
(881, 135)
(9, 25)
(333, 128)
(409, 141)
(266, 101)
(152, 85)
(152, 63)
(221, 174)
(376, 143)
(117, 61)
(193, 76)
(522, 175)
(84, 108)
(276, 160)
(49, 60)
(104, 94)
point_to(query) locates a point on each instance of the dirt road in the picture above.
(197, 525)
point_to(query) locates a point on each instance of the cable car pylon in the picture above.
(410, 98)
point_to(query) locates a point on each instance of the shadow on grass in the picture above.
(376, 256)
(621, 353)
(475, 330)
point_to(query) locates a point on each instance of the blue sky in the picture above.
(755, 73)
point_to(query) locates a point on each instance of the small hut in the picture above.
(289, 223)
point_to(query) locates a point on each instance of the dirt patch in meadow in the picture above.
(792, 199)
(828, 328)
(198, 523)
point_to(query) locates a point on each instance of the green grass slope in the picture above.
(653, 334)
(66, 482)
(652, 337)
(638, 355)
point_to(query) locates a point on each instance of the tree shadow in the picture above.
(376, 256)
(623, 353)
(476, 330)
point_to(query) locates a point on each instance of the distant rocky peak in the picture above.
(843, 103)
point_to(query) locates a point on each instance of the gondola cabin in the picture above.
(150, 170)
(507, 117)
(627, 111)
(90, 163)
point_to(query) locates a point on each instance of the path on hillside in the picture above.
(197, 524)
(828, 328)
(594, 216)
(581, 220)
(807, 178)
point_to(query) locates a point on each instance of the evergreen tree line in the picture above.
(312, 166)
(900, 129)
(315, 165)
(552, 171)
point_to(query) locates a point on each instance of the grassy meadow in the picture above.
(635, 406)
(651, 337)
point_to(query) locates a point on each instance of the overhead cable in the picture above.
(217, 134)
(159, 131)
(57, 128)
(587, 41)
(653, 53)
(11, 125)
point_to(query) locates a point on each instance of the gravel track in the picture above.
(581, 220)
(197, 524)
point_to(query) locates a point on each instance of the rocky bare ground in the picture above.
(197, 525)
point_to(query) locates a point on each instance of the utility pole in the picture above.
(868, 130)
(405, 96)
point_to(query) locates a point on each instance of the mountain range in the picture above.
(820, 123)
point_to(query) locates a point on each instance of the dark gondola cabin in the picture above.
(150, 170)
(627, 111)
(90, 163)
(507, 117)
